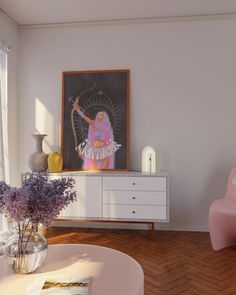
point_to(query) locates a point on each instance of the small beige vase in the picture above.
(38, 159)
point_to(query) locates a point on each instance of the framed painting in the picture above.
(95, 120)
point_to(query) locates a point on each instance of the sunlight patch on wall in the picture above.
(45, 124)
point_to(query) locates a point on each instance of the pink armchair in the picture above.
(222, 216)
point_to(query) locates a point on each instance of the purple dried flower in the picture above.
(47, 197)
(15, 203)
(3, 187)
(40, 199)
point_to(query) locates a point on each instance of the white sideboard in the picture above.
(119, 196)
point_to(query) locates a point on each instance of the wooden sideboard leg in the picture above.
(153, 226)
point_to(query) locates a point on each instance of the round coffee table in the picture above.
(112, 272)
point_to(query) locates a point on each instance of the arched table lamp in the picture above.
(149, 164)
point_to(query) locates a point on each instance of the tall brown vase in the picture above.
(38, 159)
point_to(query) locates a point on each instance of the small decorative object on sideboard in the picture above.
(149, 164)
(55, 162)
(38, 159)
(38, 201)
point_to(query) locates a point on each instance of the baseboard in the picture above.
(183, 228)
(159, 226)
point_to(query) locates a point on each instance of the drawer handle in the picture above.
(133, 183)
(133, 198)
(133, 212)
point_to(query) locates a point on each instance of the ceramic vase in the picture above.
(38, 159)
(55, 162)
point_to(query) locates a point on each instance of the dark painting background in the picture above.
(99, 91)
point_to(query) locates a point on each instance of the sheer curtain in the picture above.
(4, 161)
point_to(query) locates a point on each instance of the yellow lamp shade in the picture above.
(55, 162)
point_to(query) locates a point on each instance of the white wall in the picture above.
(9, 34)
(183, 98)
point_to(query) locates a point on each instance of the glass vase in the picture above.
(26, 250)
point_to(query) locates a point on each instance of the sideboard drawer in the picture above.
(135, 183)
(134, 197)
(134, 212)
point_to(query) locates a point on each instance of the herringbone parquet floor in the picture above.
(173, 262)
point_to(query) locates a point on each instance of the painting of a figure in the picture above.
(95, 120)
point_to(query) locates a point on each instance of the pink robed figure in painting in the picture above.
(98, 150)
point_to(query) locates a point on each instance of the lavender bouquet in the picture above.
(38, 201)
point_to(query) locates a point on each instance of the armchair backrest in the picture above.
(231, 186)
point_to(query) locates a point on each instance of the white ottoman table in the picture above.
(112, 272)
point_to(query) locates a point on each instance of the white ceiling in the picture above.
(31, 12)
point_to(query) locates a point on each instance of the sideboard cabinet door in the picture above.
(89, 199)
